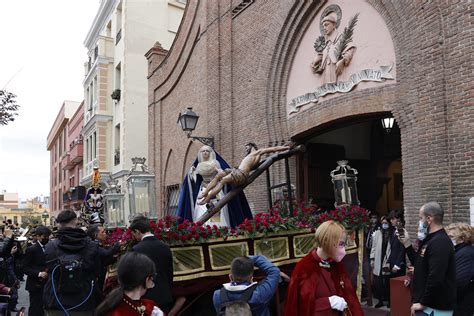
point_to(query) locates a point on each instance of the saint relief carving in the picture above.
(334, 50)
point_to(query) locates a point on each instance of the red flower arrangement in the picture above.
(173, 231)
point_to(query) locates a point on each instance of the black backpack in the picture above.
(69, 278)
(226, 302)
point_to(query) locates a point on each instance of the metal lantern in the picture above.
(114, 205)
(188, 120)
(387, 123)
(344, 179)
(141, 190)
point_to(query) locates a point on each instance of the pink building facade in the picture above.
(72, 161)
(58, 145)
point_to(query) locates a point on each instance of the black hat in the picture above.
(66, 216)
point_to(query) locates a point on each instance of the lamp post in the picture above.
(45, 216)
(344, 179)
(188, 121)
(141, 190)
(387, 124)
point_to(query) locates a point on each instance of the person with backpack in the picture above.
(72, 265)
(242, 288)
(34, 265)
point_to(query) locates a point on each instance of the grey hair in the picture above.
(434, 210)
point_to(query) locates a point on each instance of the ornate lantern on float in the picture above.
(141, 190)
(114, 205)
(344, 179)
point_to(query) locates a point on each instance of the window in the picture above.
(94, 145)
(117, 145)
(172, 198)
(118, 76)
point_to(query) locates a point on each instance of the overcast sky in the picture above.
(42, 50)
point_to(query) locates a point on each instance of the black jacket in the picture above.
(34, 262)
(72, 241)
(106, 258)
(434, 279)
(160, 254)
(465, 279)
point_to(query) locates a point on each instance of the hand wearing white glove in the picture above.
(337, 303)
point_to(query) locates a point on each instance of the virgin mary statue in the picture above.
(203, 170)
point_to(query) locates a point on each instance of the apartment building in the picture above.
(8, 200)
(115, 84)
(58, 145)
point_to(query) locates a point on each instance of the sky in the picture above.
(42, 55)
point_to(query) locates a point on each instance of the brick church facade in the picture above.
(248, 69)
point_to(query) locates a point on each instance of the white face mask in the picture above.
(422, 230)
(384, 226)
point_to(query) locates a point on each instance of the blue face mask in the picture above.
(422, 230)
(384, 226)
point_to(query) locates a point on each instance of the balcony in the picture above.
(76, 153)
(66, 162)
(75, 194)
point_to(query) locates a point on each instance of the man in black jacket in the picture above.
(161, 255)
(434, 281)
(106, 255)
(73, 264)
(34, 265)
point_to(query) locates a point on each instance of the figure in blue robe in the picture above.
(202, 171)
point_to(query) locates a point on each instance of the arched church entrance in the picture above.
(370, 148)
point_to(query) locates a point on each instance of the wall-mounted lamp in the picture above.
(188, 121)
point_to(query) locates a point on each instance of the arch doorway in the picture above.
(370, 149)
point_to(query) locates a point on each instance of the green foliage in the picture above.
(8, 107)
(346, 37)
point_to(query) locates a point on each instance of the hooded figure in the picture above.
(203, 170)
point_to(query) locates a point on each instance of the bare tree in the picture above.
(8, 107)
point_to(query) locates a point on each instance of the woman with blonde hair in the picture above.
(320, 285)
(462, 236)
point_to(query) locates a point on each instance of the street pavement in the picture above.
(23, 298)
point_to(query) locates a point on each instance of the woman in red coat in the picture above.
(320, 285)
(135, 274)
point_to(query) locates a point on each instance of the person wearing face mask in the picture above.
(34, 266)
(135, 275)
(319, 284)
(462, 235)
(434, 279)
(379, 255)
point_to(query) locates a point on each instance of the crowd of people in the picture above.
(66, 271)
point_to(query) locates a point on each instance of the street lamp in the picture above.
(188, 121)
(114, 205)
(344, 179)
(141, 190)
(387, 124)
(45, 216)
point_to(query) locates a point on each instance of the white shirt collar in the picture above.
(147, 235)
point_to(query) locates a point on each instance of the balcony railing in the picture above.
(117, 158)
(118, 36)
(74, 194)
(66, 161)
(77, 153)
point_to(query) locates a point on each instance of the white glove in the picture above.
(156, 312)
(337, 303)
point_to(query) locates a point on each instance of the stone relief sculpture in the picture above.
(334, 50)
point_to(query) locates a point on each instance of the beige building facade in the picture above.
(115, 84)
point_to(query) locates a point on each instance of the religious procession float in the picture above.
(214, 223)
